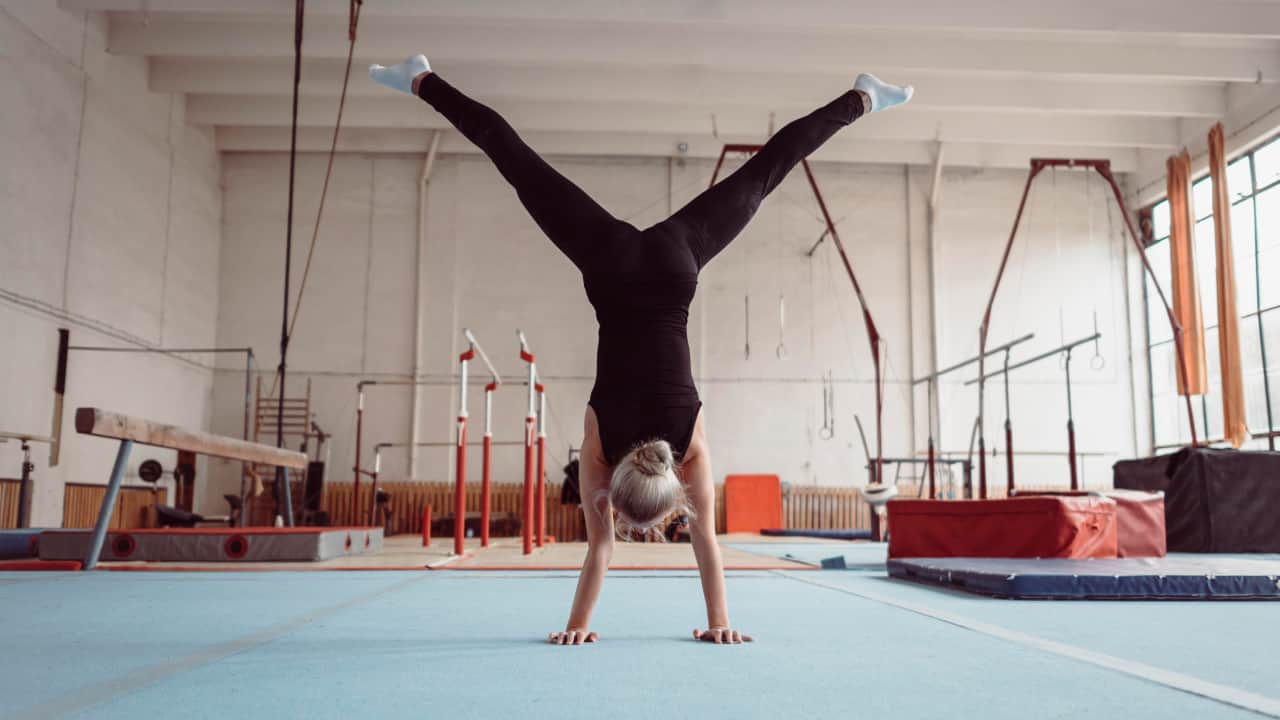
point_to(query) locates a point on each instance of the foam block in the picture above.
(22, 543)
(1018, 527)
(214, 544)
(1140, 529)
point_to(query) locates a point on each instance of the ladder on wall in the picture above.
(296, 424)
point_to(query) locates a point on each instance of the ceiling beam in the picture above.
(618, 144)
(646, 46)
(584, 116)
(1254, 117)
(703, 87)
(1221, 18)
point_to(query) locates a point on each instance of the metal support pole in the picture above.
(1262, 335)
(24, 488)
(1008, 431)
(286, 493)
(530, 461)
(487, 471)
(245, 468)
(460, 484)
(540, 502)
(373, 485)
(355, 488)
(108, 504)
(981, 427)
(932, 380)
(1071, 427)
(933, 469)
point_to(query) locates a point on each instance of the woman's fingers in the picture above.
(572, 637)
(721, 636)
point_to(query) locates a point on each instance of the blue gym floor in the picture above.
(472, 645)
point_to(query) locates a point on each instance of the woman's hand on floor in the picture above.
(721, 636)
(572, 637)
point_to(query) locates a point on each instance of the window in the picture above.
(1253, 186)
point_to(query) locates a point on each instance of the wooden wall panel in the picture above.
(9, 502)
(803, 507)
(134, 506)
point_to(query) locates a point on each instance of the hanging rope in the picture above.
(353, 23)
(281, 485)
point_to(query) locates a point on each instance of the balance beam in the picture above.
(129, 430)
(106, 424)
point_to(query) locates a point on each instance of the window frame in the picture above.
(1254, 317)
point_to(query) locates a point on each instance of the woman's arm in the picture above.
(700, 486)
(593, 485)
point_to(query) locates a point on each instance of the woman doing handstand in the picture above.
(644, 453)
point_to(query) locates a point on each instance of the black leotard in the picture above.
(640, 282)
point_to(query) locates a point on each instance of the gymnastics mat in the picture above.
(1035, 526)
(1140, 530)
(823, 534)
(215, 544)
(1216, 501)
(22, 543)
(752, 503)
(1171, 578)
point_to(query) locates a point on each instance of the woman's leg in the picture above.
(573, 221)
(593, 487)
(699, 482)
(715, 217)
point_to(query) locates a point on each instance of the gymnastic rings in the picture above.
(1097, 362)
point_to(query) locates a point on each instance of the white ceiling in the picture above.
(998, 81)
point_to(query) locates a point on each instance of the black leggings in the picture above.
(578, 225)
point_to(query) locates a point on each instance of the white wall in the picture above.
(486, 266)
(110, 226)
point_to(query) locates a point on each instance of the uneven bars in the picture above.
(485, 358)
(972, 360)
(1032, 360)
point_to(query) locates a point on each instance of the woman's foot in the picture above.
(401, 77)
(881, 94)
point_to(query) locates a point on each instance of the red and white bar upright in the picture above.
(530, 433)
(460, 484)
(487, 473)
(541, 499)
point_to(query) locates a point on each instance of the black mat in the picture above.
(1180, 578)
(1216, 501)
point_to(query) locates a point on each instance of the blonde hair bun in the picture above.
(644, 488)
(654, 457)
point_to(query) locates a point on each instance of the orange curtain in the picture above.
(1193, 379)
(1235, 427)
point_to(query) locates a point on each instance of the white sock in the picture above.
(400, 77)
(882, 94)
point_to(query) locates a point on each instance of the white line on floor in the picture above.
(1225, 694)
